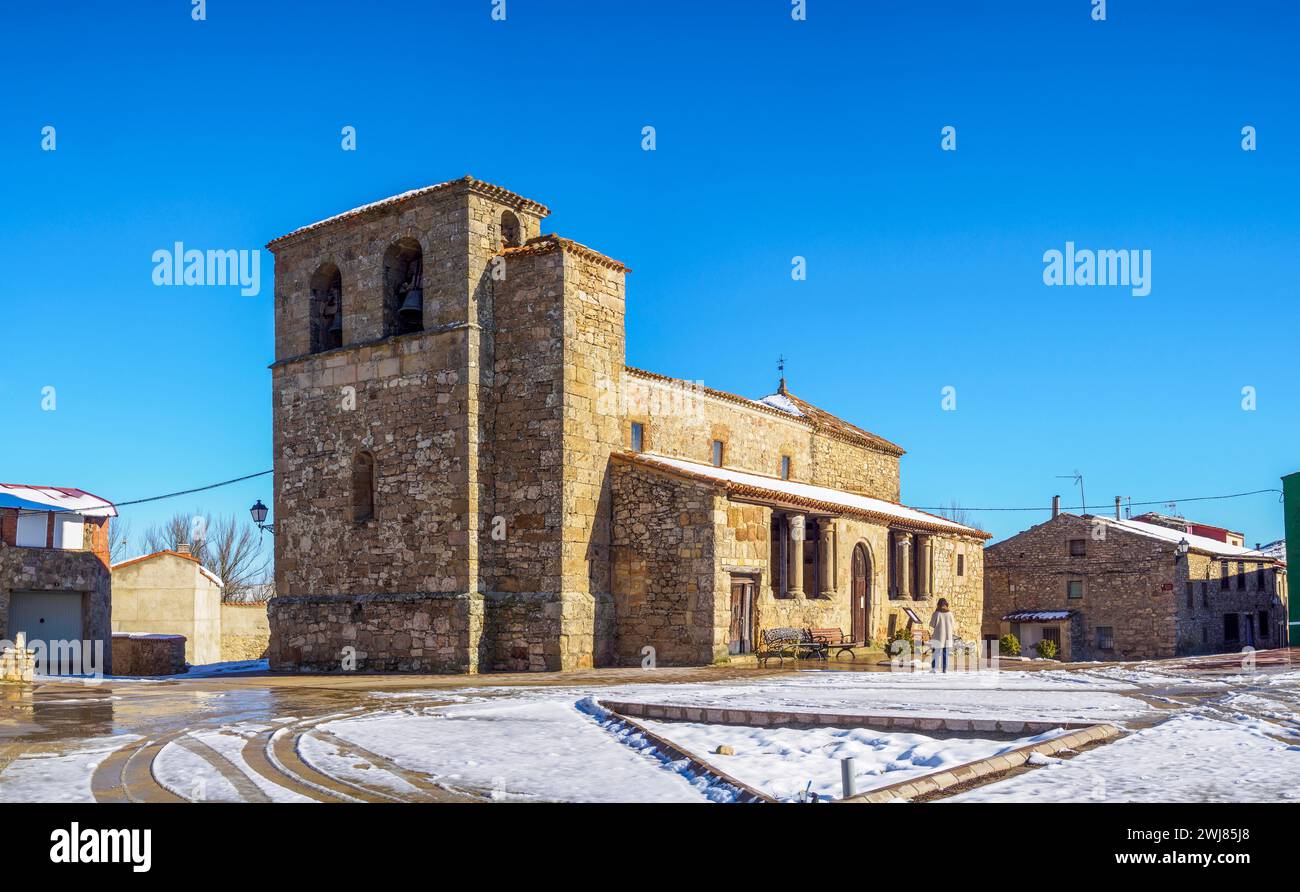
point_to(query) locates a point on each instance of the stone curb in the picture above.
(675, 752)
(969, 771)
(715, 715)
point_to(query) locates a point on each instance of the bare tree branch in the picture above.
(231, 549)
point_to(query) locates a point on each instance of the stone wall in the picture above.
(1128, 586)
(1203, 594)
(142, 653)
(409, 414)
(44, 569)
(245, 631)
(376, 633)
(666, 571)
(682, 420)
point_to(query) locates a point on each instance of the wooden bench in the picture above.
(835, 638)
(785, 641)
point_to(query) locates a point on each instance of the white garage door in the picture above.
(47, 617)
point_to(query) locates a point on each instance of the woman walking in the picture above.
(943, 628)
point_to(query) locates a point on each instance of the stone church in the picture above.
(468, 476)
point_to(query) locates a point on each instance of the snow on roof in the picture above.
(1038, 616)
(1275, 550)
(775, 489)
(1197, 543)
(782, 402)
(496, 191)
(54, 498)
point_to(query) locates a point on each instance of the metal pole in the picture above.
(1291, 517)
(848, 780)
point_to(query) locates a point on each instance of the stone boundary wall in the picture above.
(434, 632)
(983, 768)
(245, 631)
(725, 715)
(143, 653)
(675, 752)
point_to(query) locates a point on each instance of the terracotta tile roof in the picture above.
(832, 424)
(189, 557)
(384, 204)
(819, 420)
(789, 493)
(546, 243)
(1038, 616)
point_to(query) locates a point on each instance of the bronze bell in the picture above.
(412, 311)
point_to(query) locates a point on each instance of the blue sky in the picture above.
(776, 138)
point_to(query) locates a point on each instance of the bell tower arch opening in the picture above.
(403, 287)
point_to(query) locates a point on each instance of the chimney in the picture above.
(183, 548)
(1056, 506)
(1118, 499)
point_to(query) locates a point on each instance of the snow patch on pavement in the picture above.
(786, 762)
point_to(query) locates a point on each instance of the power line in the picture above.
(185, 492)
(1235, 495)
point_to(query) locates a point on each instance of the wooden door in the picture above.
(740, 636)
(861, 593)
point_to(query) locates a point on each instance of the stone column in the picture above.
(924, 550)
(826, 557)
(904, 565)
(795, 575)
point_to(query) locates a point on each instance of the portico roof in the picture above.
(747, 486)
(1038, 616)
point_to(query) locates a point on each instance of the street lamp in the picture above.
(259, 517)
(1183, 548)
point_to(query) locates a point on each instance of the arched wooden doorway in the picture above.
(861, 592)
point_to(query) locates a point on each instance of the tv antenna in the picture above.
(1078, 480)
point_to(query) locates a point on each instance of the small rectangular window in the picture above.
(717, 453)
(1078, 548)
(1105, 637)
(1074, 588)
(785, 467)
(638, 437)
(1231, 627)
(1205, 592)
(961, 565)
(1260, 577)
(1241, 575)
(1263, 624)
(1224, 572)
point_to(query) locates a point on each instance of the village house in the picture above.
(468, 476)
(55, 585)
(1148, 587)
(172, 593)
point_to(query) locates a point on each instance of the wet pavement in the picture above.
(136, 720)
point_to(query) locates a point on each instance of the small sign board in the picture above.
(911, 615)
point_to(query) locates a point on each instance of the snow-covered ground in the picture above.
(1194, 737)
(786, 762)
(1015, 696)
(534, 748)
(1189, 758)
(49, 777)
